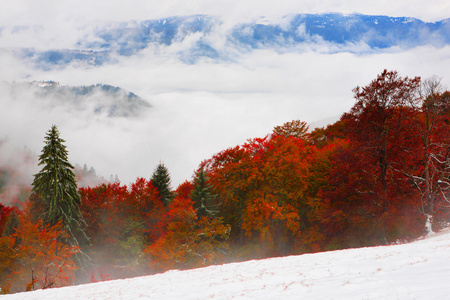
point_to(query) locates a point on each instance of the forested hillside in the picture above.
(99, 98)
(379, 175)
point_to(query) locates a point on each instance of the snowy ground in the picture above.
(419, 270)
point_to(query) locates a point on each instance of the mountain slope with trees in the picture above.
(378, 176)
(100, 99)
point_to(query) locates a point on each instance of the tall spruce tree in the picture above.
(161, 180)
(55, 195)
(202, 195)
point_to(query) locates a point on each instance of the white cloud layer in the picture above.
(31, 12)
(198, 109)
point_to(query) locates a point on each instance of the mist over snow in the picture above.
(418, 270)
(226, 71)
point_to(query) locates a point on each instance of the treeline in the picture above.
(379, 175)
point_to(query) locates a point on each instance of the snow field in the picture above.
(418, 270)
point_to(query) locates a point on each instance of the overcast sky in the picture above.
(25, 12)
(198, 109)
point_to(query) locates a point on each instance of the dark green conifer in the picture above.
(11, 224)
(204, 199)
(55, 195)
(161, 180)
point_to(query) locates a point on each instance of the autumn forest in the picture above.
(379, 175)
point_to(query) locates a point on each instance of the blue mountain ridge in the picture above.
(338, 31)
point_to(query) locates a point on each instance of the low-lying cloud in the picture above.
(201, 109)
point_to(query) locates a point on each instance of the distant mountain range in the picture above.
(207, 37)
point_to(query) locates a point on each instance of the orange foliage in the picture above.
(187, 242)
(35, 258)
(261, 188)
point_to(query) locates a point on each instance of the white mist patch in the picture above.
(17, 167)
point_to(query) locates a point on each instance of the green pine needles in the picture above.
(204, 199)
(55, 195)
(161, 180)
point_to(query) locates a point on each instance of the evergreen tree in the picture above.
(202, 195)
(161, 180)
(55, 195)
(11, 224)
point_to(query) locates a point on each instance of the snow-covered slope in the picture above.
(418, 270)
